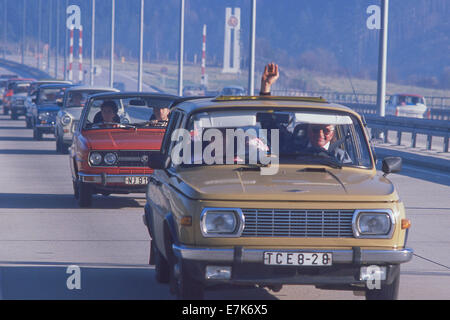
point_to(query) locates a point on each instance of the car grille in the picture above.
(298, 223)
(133, 158)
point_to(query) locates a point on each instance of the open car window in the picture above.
(295, 137)
(136, 112)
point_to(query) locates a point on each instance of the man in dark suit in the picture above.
(320, 136)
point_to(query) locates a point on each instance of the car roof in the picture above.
(55, 85)
(124, 95)
(50, 81)
(89, 88)
(409, 94)
(277, 102)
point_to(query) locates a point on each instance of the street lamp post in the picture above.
(57, 40)
(24, 12)
(65, 44)
(141, 46)
(5, 26)
(251, 67)
(181, 51)
(382, 58)
(49, 35)
(111, 63)
(92, 43)
(39, 35)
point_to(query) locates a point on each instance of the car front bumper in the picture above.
(247, 266)
(114, 183)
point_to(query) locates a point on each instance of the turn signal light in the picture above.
(186, 221)
(406, 223)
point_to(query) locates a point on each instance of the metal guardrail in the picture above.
(25, 70)
(362, 98)
(366, 103)
(430, 128)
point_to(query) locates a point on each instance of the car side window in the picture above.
(174, 122)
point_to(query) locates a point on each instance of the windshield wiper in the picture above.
(251, 166)
(319, 158)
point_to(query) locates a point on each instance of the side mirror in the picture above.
(159, 161)
(391, 165)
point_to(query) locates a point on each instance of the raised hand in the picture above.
(269, 77)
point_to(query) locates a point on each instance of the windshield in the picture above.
(77, 99)
(21, 88)
(129, 112)
(410, 100)
(293, 137)
(50, 96)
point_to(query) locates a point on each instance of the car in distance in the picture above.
(18, 98)
(29, 104)
(9, 91)
(46, 105)
(69, 115)
(407, 105)
(194, 91)
(232, 91)
(267, 205)
(112, 157)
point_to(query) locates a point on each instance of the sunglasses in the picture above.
(326, 131)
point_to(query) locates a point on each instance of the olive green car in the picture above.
(267, 205)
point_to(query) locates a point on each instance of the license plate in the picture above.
(298, 258)
(136, 180)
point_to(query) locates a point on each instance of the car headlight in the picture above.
(66, 120)
(95, 158)
(110, 158)
(373, 224)
(221, 222)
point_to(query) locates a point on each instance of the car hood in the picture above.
(124, 139)
(75, 113)
(289, 184)
(48, 108)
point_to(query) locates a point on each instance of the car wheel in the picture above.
(182, 284)
(64, 148)
(37, 135)
(162, 270)
(58, 145)
(84, 195)
(75, 190)
(387, 292)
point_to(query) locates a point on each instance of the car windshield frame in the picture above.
(86, 120)
(361, 155)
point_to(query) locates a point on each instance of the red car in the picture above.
(110, 152)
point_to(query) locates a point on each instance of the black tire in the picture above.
(64, 148)
(37, 135)
(58, 145)
(182, 284)
(387, 291)
(84, 195)
(162, 269)
(75, 190)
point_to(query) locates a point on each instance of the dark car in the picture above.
(45, 108)
(29, 104)
(17, 99)
(8, 92)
